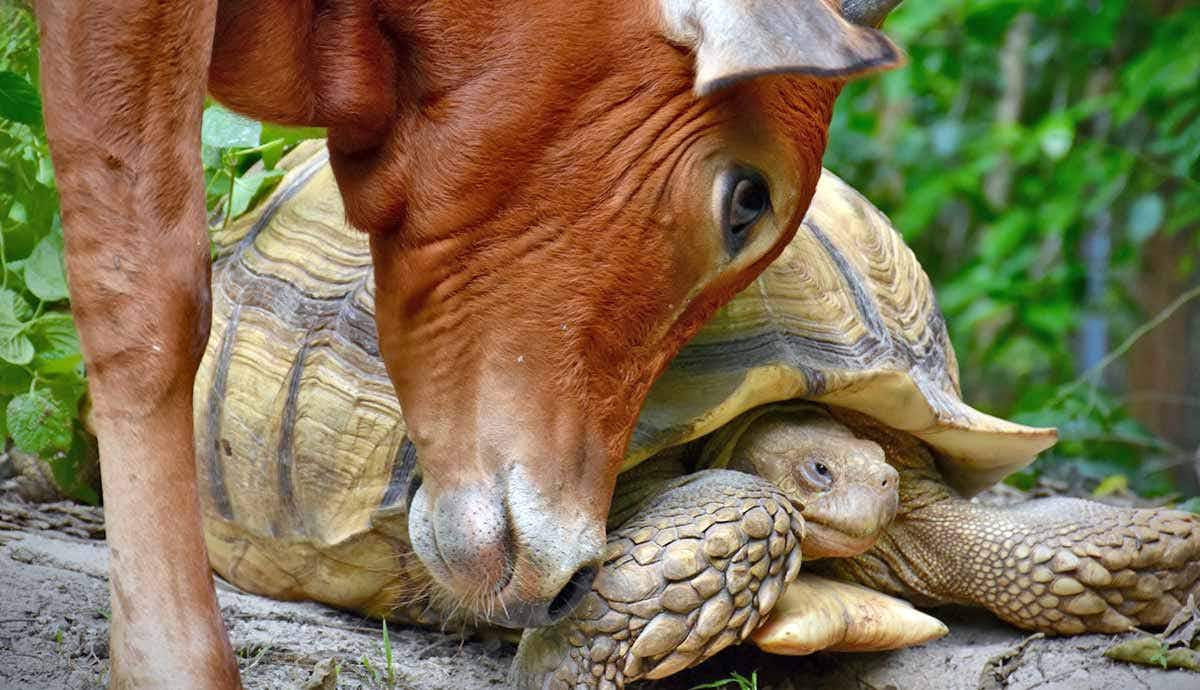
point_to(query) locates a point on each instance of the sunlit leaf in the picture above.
(250, 186)
(222, 128)
(45, 272)
(39, 423)
(15, 346)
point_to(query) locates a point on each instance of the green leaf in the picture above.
(40, 423)
(69, 468)
(13, 379)
(45, 270)
(45, 173)
(224, 129)
(291, 135)
(1114, 483)
(248, 187)
(210, 156)
(15, 346)
(57, 343)
(271, 153)
(19, 99)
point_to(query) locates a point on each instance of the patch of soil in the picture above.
(54, 636)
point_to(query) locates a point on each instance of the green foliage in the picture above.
(42, 382)
(239, 166)
(41, 369)
(38, 423)
(1103, 136)
(19, 100)
(735, 679)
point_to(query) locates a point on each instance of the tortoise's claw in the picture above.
(695, 571)
(816, 614)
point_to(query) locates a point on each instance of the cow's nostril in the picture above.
(570, 595)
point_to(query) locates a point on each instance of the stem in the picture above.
(1138, 333)
(3, 263)
(256, 149)
(229, 198)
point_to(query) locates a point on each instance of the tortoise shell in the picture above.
(302, 457)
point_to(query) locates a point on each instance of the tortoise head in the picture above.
(558, 196)
(847, 491)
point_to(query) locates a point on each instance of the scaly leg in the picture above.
(1058, 565)
(693, 572)
(124, 86)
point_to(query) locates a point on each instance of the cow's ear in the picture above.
(740, 39)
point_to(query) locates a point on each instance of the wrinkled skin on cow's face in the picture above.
(553, 212)
(573, 315)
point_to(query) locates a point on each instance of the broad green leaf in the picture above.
(248, 187)
(67, 389)
(17, 212)
(57, 343)
(224, 129)
(210, 156)
(291, 135)
(19, 99)
(271, 153)
(69, 467)
(45, 271)
(40, 423)
(15, 346)
(13, 379)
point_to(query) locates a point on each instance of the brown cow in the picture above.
(558, 195)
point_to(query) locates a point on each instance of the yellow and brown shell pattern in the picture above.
(303, 462)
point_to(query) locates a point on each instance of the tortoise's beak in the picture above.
(848, 522)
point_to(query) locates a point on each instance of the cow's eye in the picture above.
(743, 198)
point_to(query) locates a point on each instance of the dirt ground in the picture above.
(54, 631)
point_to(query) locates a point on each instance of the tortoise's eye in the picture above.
(743, 198)
(816, 475)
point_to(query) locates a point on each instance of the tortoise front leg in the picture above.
(694, 571)
(1059, 565)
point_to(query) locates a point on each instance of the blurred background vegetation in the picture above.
(1041, 158)
(1043, 161)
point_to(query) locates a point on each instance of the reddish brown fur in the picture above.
(536, 178)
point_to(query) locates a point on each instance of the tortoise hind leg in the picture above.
(691, 573)
(1057, 565)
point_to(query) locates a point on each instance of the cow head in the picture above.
(558, 196)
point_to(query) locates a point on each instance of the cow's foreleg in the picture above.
(124, 85)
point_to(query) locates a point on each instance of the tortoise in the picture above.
(306, 473)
